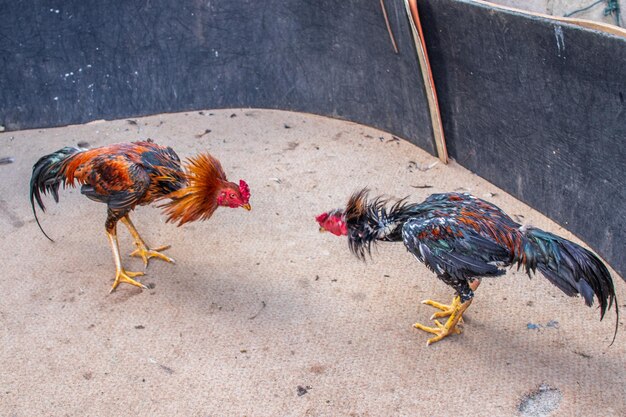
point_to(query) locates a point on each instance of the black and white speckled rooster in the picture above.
(462, 238)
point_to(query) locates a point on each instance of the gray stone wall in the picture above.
(562, 7)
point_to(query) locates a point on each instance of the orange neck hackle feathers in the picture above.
(198, 200)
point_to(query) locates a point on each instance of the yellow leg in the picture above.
(142, 250)
(444, 330)
(121, 275)
(446, 310)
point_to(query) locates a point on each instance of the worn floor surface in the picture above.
(264, 316)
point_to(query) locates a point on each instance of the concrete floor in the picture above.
(264, 316)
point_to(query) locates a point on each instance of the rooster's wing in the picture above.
(114, 180)
(446, 246)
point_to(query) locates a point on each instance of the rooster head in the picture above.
(206, 190)
(334, 222)
(233, 195)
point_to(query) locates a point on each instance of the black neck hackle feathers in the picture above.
(374, 220)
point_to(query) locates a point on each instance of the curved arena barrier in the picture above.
(535, 105)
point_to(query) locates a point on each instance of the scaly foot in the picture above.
(144, 253)
(440, 331)
(125, 276)
(446, 309)
(454, 311)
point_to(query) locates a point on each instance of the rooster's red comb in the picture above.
(244, 190)
(321, 218)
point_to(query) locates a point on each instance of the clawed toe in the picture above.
(454, 312)
(127, 277)
(146, 254)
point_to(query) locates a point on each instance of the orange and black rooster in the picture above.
(462, 238)
(125, 175)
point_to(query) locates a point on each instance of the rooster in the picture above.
(125, 175)
(462, 238)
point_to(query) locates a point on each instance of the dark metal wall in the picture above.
(72, 61)
(538, 108)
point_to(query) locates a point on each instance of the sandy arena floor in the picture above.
(264, 316)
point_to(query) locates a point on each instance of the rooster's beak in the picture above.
(247, 206)
(322, 230)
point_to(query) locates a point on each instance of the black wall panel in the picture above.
(538, 108)
(73, 61)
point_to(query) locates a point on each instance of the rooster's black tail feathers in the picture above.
(47, 178)
(572, 268)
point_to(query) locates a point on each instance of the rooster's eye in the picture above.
(232, 195)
